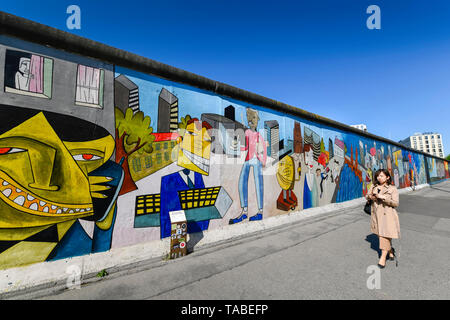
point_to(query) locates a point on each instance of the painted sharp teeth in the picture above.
(7, 192)
(20, 200)
(197, 160)
(36, 205)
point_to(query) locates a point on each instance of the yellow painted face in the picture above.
(44, 180)
(195, 149)
(285, 173)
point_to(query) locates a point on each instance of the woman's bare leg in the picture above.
(382, 260)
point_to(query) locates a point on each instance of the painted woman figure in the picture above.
(396, 178)
(256, 157)
(310, 192)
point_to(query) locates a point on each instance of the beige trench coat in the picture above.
(384, 218)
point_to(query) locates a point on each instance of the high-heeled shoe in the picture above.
(393, 255)
(380, 265)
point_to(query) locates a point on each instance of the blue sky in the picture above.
(315, 55)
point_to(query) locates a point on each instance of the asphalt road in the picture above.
(328, 257)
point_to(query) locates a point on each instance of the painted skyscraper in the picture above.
(167, 112)
(273, 137)
(298, 140)
(126, 94)
(230, 113)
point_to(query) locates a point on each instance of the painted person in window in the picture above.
(22, 79)
(56, 180)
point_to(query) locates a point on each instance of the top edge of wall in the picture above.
(31, 31)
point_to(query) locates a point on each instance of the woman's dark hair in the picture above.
(386, 173)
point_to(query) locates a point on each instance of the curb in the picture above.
(60, 275)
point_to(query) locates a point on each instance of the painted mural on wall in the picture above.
(55, 174)
(69, 187)
(227, 162)
(438, 169)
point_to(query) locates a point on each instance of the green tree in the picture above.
(183, 124)
(133, 134)
(447, 157)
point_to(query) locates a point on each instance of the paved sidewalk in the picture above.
(326, 257)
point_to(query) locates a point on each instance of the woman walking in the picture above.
(384, 220)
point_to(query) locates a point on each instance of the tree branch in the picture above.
(137, 147)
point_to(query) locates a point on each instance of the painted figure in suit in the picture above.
(194, 157)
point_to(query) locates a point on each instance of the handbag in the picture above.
(368, 207)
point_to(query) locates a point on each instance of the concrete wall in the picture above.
(80, 179)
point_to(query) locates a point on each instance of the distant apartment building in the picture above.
(429, 142)
(362, 127)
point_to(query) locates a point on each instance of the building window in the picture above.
(166, 156)
(158, 147)
(136, 164)
(148, 162)
(158, 158)
(166, 145)
(90, 84)
(172, 144)
(28, 74)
